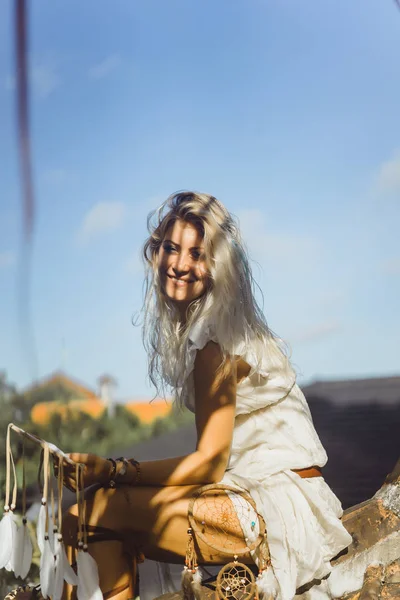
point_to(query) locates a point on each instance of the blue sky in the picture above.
(287, 111)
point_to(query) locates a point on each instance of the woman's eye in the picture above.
(196, 254)
(168, 248)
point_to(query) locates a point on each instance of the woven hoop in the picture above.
(216, 489)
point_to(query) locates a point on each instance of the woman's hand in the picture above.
(96, 470)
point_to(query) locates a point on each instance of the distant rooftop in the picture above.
(385, 390)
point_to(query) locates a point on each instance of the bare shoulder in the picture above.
(210, 369)
(209, 358)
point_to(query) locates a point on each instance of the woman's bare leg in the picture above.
(151, 520)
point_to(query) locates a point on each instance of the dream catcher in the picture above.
(215, 515)
(16, 546)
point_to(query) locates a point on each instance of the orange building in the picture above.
(149, 410)
(61, 394)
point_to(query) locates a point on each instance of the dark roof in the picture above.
(384, 390)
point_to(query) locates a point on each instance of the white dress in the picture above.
(274, 434)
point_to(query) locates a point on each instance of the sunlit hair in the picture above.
(228, 302)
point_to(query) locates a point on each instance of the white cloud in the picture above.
(7, 259)
(102, 218)
(105, 67)
(388, 177)
(316, 332)
(43, 78)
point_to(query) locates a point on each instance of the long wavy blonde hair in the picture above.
(228, 303)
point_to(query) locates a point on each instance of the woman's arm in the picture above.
(215, 399)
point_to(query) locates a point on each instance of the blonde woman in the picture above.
(208, 341)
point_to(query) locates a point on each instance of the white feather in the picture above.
(196, 585)
(88, 577)
(52, 535)
(41, 527)
(267, 585)
(47, 571)
(8, 531)
(69, 574)
(59, 570)
(186, 582)
(63, 569)
(23, 551)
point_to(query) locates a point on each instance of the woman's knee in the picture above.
(96, 504)
(104, 507)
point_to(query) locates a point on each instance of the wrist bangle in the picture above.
(112, 475)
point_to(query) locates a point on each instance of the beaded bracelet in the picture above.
(116, 474)
(112, 476)
(122, 471)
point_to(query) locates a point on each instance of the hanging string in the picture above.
(8, 473)
(15, 488)
(23, 480)
(60, 491)
(39, 479)
(53, 514)
(41, 520)
(83, 500)
(46, 474)
(10, 463)
(79, 504)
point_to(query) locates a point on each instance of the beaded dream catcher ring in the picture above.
(214, 515)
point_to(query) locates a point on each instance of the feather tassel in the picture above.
(23, 551)
(196, 584)
(52, 533)
(69, 574)
(63, 570)
(23, 548)
(8, 531)
(47, 570)
(41, 527)
(8, 526)
(88, 577)
(186, 583)
(267, 585)
(59, 569)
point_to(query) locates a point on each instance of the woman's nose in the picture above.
(181, 264)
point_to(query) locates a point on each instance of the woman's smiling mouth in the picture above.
(179, 281)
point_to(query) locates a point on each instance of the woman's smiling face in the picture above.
(181, 264)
